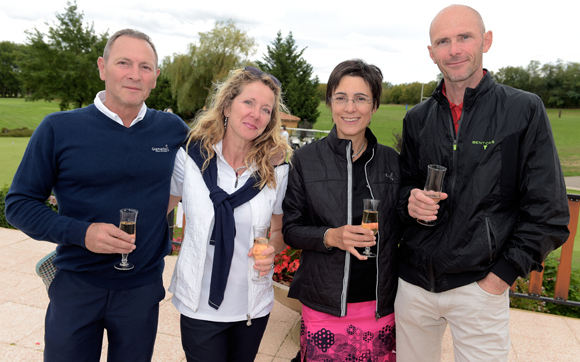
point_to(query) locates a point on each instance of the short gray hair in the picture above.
(135, 34)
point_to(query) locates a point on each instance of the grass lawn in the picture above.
(11, 152)
(17, 113)
(566, 131)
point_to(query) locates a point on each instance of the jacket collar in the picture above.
(338, 145)
(471, 94)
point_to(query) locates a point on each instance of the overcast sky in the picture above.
(390, 34)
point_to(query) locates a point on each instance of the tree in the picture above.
(161, 97)
(393, 94)
(412, 93)
(562, 84)
(286, 63)
(322, 91)
(10, 55)
(219, 51)
(64, 67)
(516, 77)
(557, 84)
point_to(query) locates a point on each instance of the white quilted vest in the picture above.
(199, 215)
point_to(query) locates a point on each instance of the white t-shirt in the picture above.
(235, 304)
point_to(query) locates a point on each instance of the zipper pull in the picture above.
(454, 145)
(249, 322)
(377, 316)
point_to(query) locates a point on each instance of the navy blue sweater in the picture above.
(96, 167)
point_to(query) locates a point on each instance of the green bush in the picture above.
(3, 222)
(51, 203)
(550, 270)
(17, 132)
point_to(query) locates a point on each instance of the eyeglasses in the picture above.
(358, 101)
(257, 72)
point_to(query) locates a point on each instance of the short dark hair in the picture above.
(357, 68)
(135, 34)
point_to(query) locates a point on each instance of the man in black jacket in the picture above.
(504, 210)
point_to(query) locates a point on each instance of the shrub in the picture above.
(18, 132)
(50, 202)
(3, 222)
(397, 140)
(176, 246)
(550, 270)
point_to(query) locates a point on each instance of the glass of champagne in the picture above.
(370, 220)
(433, 187)
(260, 244)
(129, 225)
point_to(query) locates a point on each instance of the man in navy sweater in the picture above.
(113, 154)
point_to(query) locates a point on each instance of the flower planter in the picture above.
(281, 295)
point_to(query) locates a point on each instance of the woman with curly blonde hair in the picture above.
(231, 177)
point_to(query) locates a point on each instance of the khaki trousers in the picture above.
(477, 319)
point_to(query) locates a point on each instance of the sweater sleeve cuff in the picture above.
(77, 233)
(505, 271)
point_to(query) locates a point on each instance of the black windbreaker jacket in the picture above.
(318, 197)
(507, 207)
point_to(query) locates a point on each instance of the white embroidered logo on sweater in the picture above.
(160, 149)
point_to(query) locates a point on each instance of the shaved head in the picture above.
(458, 41)
(457, 11)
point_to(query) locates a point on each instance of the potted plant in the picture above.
(285, 265)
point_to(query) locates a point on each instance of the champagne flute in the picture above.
(128, 224)
(260, 244)
(433, 187)
(370, 220)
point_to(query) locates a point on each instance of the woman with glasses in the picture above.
(347, 297)
(230, 176)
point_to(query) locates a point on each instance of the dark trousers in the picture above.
(79, 313)
(221, 341)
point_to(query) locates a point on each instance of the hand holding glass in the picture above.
(433, 187)
(370, 220)
(260, 244)
(129, 225)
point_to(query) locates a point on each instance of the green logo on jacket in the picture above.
(484, 143)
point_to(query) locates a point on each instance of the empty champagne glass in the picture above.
(260, 244)
(370, 220)
(129, 225)
(433, 187)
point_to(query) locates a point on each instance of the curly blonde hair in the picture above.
(267, 150)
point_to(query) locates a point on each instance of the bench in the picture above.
(564, 268)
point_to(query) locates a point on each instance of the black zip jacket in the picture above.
(507, 207)
(319, 197)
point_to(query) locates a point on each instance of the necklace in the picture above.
(238, 175)
(359, 151)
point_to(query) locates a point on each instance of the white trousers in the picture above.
(478, 322)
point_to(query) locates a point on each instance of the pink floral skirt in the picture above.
(356, 337)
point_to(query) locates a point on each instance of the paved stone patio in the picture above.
(23, 301)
